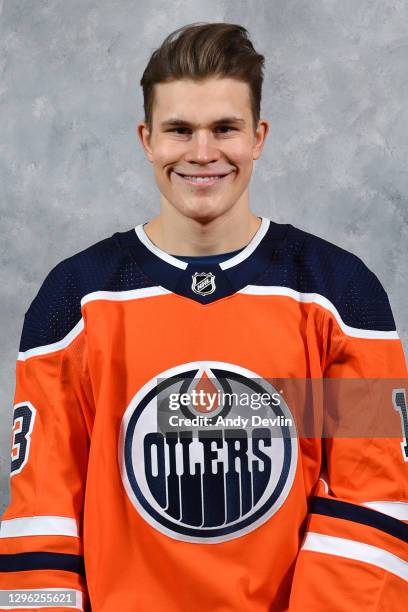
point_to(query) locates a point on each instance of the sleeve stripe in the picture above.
(39, 525)
(398, 510)
(366, 516)
(21, 562)
(5, 593)
(350, 549)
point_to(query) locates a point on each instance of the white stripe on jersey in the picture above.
(325, 303)
(350, 549)
(54, 346)
(398, 510)
(146, 292)
(38, 525)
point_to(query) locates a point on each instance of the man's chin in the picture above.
(203, 212)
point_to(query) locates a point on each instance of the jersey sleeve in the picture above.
(41, 542)
(354, 555)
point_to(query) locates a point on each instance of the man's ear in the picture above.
(259, 138)
(145, 136)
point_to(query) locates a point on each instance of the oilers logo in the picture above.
(208, 470)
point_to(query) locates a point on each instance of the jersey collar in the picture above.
(206, 283)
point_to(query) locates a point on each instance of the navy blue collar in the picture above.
(206, 282)
(206, 259)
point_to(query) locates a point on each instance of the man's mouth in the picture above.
(201, 180)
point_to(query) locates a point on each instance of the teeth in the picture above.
(202, 179)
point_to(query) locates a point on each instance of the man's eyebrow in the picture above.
(174, 121)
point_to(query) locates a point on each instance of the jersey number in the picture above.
(23, 423)
(399, 399)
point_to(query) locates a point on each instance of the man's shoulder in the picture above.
(56, 308)
(342, 277)
(85, 268)
(312, 249)
(97, 253)
(326, 260)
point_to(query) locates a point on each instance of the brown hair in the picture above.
(199, 50)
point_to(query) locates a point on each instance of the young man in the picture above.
(125, 488)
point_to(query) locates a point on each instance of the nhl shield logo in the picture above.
(203, 283)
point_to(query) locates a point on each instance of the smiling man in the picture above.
(162, 458)
(202, 143)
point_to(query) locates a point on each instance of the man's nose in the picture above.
(203, 148)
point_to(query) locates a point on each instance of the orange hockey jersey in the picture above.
(142, 481)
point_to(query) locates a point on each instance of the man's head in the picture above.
(202, 95)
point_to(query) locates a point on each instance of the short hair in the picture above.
(200, 50)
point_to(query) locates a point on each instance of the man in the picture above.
(125, 490)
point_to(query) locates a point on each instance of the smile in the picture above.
(201, 181)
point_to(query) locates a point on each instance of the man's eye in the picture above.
(178, 128)
(226, 127)
(221, 127)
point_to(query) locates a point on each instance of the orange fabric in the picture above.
(81, 393)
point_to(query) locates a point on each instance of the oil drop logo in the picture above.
(200, 465)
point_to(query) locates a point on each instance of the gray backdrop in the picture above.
(73, 172)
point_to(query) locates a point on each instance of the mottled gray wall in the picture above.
(73, 172)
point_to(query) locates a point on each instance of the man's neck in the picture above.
(180, 235)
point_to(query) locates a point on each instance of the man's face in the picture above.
(203, 128)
